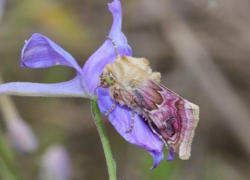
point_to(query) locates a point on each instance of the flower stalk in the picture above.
(104, 139)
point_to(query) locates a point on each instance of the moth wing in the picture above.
(174, 117)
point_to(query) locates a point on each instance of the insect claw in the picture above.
(131, 128)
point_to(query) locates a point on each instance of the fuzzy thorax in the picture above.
(131, 72)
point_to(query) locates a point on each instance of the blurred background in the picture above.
(202, 49)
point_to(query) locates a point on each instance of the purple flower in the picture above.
(21, 136)
(170, 155)
(41, 52)
(55, 164)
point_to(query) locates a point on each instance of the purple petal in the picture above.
(41, 52)
(158, 157)
(170, 154)
(141, 135)
(72, 88)
(116, 9)
(106, 53)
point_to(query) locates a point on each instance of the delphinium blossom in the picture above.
(55, 164)
(41, 52)
(21, 136)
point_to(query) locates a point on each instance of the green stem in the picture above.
(104, 138)
(8, 168)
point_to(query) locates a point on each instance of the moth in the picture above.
(132, 83)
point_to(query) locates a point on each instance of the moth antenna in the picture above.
(96, 88)
(113, 42)
(132, 121)
(111, 109)
(157, 134)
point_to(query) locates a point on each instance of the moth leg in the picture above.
(113, 42)
(111, 109)
(157, 134)
(132, 122)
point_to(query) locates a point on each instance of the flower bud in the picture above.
(21, 136)
(56, 164)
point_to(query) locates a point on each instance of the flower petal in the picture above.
(141, 135)
(157, 159)
(41, 52)
(106, 53)
(170, 154)
(72, 88)
(116, 9)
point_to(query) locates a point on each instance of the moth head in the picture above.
(106, 80)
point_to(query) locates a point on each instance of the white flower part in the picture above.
(55, 164)
(21, 136)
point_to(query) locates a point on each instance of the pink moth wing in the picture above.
(175, 117)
